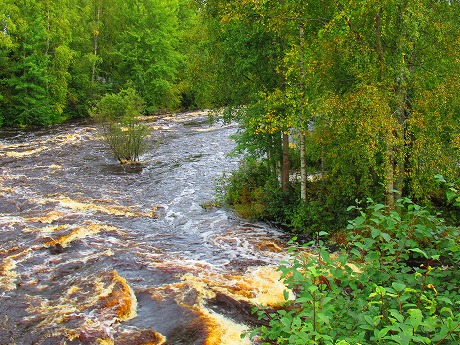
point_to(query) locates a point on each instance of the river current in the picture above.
(94, 252)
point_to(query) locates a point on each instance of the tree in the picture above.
(246, 55)
(52, 69)
(24, 79)
(146, 52)
(35, 58)
(379, 64)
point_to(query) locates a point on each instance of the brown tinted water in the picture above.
(94, 252)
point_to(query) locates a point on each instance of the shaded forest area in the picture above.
(336, 101)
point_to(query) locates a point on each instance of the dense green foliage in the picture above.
(355, 99)
(394, 282)
(58, 57)
(336, 100)
(118, 117)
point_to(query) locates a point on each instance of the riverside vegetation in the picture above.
(395, 281)
(336, 101)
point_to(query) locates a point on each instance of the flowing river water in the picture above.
(94, 252)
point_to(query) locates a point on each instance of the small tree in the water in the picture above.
(118, 119)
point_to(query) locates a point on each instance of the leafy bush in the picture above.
(245, 190)
(253, 193)
(126, 140)
(395, 281)
(451, 203)
(118, 119)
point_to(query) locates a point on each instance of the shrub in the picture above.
(118, 118)
(255, 193)
(245, 190)
(395, 281)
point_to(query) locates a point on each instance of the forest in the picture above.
(338, 102)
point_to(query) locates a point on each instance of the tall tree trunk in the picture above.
(303, 168)
(272, 155)
(402, 111)
(400, 156)
(390, 179)
(396, 152)
(303, 158)
(285, 163)
(391, 171)
(95, 42)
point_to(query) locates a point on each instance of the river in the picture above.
(94, 252)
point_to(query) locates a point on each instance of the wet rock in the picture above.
(56, 249)
(239, 311)
(143, 337)
(120, 297)
(195, 332)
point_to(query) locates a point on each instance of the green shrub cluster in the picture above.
(253, 192)
(247, 190)
(127, 140)
(118, 118)
(395, 281)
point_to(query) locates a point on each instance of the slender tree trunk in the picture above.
(303, 168)
(396, 153)
(402, 86)
(400, 160)
(323, 159)
(95, 43)
(285, 163)
(390, 179)
(303, 158)
(272, 155)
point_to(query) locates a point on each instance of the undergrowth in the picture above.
(394, 281)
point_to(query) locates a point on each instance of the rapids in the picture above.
(94, 252)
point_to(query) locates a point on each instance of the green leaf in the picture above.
(355, 252)
(401, 339)
(372, 256)
(286, 295)
(312, 288)
(386, 237)
(415, 318)
(397, 315)
(451, 194)
(440, 178)
(447, 311)
(378, 207)
(418, 250)
(375, 232)
(369, 320)
(399, 287)
(286, 321)
(383, 332)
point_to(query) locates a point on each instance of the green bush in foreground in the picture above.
(395, 281)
